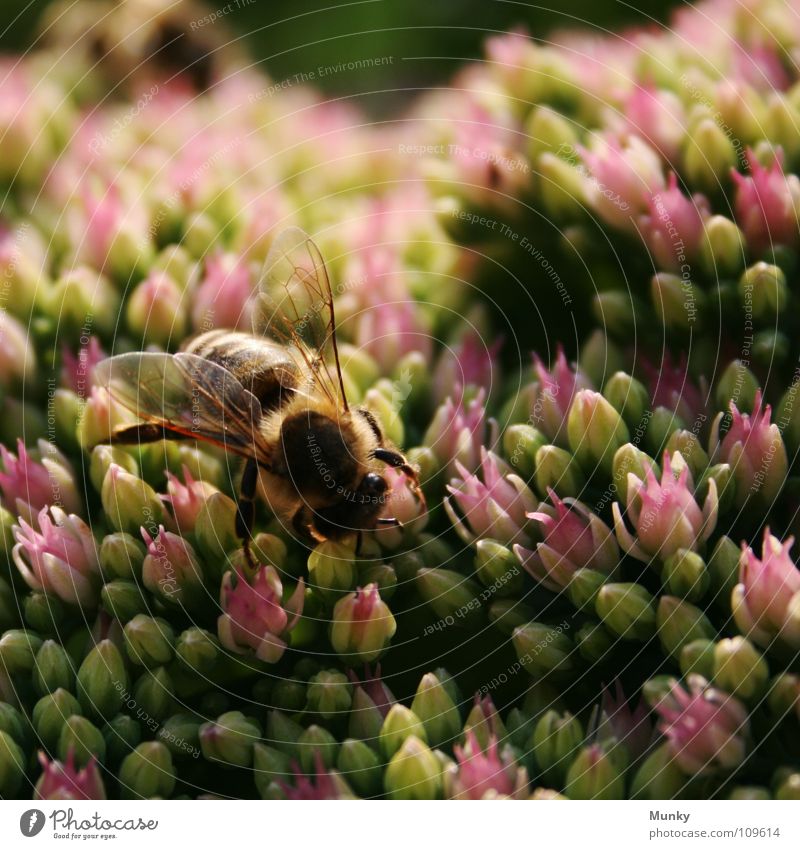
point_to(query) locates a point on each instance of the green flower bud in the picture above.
(594, 642)
(709, 155)
(697, 657)
(558, 470)
(359, 366)
(123, 600)
(688, 446)
(400, 725)
(18, 649)
(270, 766)
(129, 502)
(583, 587)
(12, 767)
(484, 722)
(147, 773)
(230, 739)
(542, 648)
(414, 772)
(362, 625)
(451, 596)
(628, 397)
(746, 794)
(82, 737)
(329, 694)
(175, 261)
(366, 719)
(661, 427)
(316, 743)
(382, 575)
(627, 610)
(629, 460)
(283, 732)
(677, 302)
(595, 430)
(384, 410)
(331, 569)
(789, 787)
(556, 739)
(784, 695)
(723, 567)
(763, 290)
(44, 613)
(498, 568)
(122, 735)
(102, 680)
(738, 384)
(149, 640)
(81, 294)
(67, 413)
(289, 695)
(50, 713)
(105, 456)
(508, 614)
(680, 623)
(722, 251)
(548, 131)
(215, 529)
(686, 575)
(658, 777)
(152, 694)
(156, 311)
(594, 775)
(771, 347)
(53, 669)
(599, 357)
(180, 733)
(657, 688)
(439, 714)
(740, 669)
(360, 767)
(198, 649)
(722, 475)
(521, 442)
(617, 311)
(121, 556)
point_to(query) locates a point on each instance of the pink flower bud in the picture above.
(223, 297)
(574, 538)
(665, 515)
(556, 389)
(186, 499)
(671, 387)
(631, 727)
(362, 625)
(63, 782)
(388, 330)
(767, 204)
(493, 505)
(658, 116)
(706, 729)
(254, 617)
(156, 309)
(77, 372)
(171, 569)
(60, 558)
(766, 601)
(375, 687)
(403, 504)
(469, 363)
(324, 784)
(457, 432)
(486, 773)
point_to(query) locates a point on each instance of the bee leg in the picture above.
(246, 509)
(142, 434)
(398, 461)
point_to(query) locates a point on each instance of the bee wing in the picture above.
(187, 395)
(295, 305)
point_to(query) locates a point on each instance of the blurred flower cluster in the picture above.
(566, 287)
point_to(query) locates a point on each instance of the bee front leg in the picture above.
(143, 434)
(246, 509)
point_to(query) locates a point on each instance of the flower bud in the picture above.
(53, 669)
(18, 649)
(316, 746)
(229, 739)
(43, 613)
(763, 289)
(331, 569)
(50, 713)
(283, 733)
(663, 424)
(121, 556)
(122, 735)
(123, 600)
(697, 657)
(414, 772)
(555, 741)
(152, 694)
(594, 641)
(627, 610)
(215, 528)
(156, 312)
(709, 155)
(736, 384)
(484, 723)
(147, 773)
(498, 568)
(595, 430)
(12, 767)
(289, 695)
(561, 186)
(594, 775)
(149, 641)
(628, 397)
(783, 697)
(103, 457)
(329, 695)
(658, 777)
(686, 575)
(360, 767)
(723, 567)
(128, 502)
(171, 570)
(101, 680)
(79, 295)
(722, 250)
(400, 724)
(83, 738)
(271, 769)
(789, 787)
(366, 718)
(198, 649)
(678, 303)
(583, 588)
(617, 311)
(434, 706)
(740, 669)
(541, 648)
(508, 614)
(521, 442)
(62, 781)
(558, 470)
(679, 623)
(450, 595)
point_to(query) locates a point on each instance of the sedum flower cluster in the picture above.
(566, 285)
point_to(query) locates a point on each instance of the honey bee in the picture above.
(274, 397)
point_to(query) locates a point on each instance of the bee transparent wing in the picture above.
(188, 395)
(295, 305)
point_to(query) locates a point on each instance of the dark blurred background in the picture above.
(427, 39)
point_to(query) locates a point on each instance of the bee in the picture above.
(276, 398)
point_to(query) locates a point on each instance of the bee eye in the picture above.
(373, 485)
